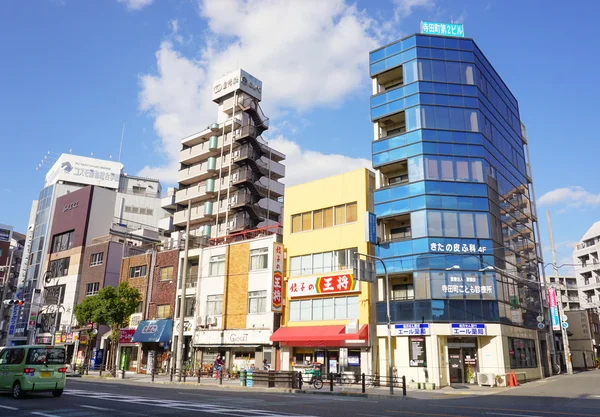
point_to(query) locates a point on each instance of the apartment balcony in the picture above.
(168, 202)
(203, 170)
(235, 223)
(201, 136)
(201, 151)
(256, 183)
(246, 155)
(396, 229)
(198, 214)
(166, 223)
(197, 193)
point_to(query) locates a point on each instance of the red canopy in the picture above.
(318, 335)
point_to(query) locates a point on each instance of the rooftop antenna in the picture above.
(121, 145)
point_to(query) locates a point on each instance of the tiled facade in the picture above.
(235, 290)
(163, 291)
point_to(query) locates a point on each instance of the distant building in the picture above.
(12, 245)
(584, 337)
(569, 292)
(586, 258)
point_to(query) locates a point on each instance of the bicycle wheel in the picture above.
(557, 369)
(318, 383)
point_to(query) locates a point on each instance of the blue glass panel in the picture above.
(434, 201)
(423, 52)
(411, 100)
(378, 100)
(401, 191)
(380, 146)
(409, 54)
(455, 89)
(438, 53)
(396, 106)
(393, 49)
(481, 204)
(430, 148)
(417, 203)
(475, 150)
(417, 188)
(474, 138)
(462, 150)
(420, 245)
(377, 67)
(427, 98)
(401, 206)
(427, 134)
(442, 100)
(437, 42)
(452, 55)
(422, 40)
(398, 154)
(409, 43)
(444, 136)
(411, 88)
(377, 55)
(451, 43)
(381, 158)
(378, 112)
(471, 102)
(442, 118)
(457, 119)
(445, 149)
(466, 56)
(380, 196)
(466, 45)
(440, 88)
(384, 209)
(393, 61)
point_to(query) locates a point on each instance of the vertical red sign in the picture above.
(277, 288)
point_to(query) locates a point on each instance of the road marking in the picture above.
(513, 415)
(562, 413)
(44, 414)
(8, 407)
(423, 414)
(96, 408)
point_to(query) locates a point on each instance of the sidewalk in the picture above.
(352, 390)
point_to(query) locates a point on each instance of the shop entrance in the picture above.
(462, 359)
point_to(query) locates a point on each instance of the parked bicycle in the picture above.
(342, 379)
(373, 381)
(315, 376)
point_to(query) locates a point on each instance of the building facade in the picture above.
(584, 337)
(570, 299)
(228, 173)
(587, 268)
(12, 248)
(228, 301)
(327, 311)
(455, 213)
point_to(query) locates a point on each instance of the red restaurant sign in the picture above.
(330, 284)
(126, 335)
(277, 290)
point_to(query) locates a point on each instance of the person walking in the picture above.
(265, 365)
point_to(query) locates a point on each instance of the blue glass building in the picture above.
(455, 214)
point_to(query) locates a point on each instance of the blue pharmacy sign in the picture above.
(412, 329)
(467, 329)
(444, 29)
(370, 227)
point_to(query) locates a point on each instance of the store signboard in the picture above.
(126, 335)
(467, 329)
(553, 309)
(443, 29)
(417, 351)
(277, 284)
(84, 170)
(412, 329)
(5, 233)
(315, 285)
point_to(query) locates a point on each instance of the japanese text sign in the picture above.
(463, 329)
(456, 248)
(552, 303)
(444, 29)
(277, 288)
(126, 335)
(412, 329)
(332, 284)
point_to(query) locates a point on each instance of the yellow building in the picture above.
(327, 312)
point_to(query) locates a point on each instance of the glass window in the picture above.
(306, 265)
(434, 223)
(340, 215)
(305, 310)
(138, 271)
(340, 307)
(96, 258)
(296, 266)
(318, 219)
(166, 273)
(410, 72)
(352, 307)
(438, 69)
(418, 225)
(477, 170)
(257, 302)
(295, 311)
(351, 215)
(467, 228)
(317, 309)
(450, 224)
(328, 217)
(163, 311)
(482, 224)
(447, 169)
(328, 309)
(92, 288)
(431, 168)
(296, 223)
(189, 307)
(425, 70)
(63, 241)
(457, 119)
(49, 356)
(462, 171)
(259, 259)
(59, 267)
(328, 262)
(216, 266)
(522, 353)
(214, 305)
(403, 292)
(318, 262)
(306, 221)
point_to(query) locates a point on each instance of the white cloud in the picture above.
(304, 165)
(136, 4)
(574, 196)
(404, 8)
(317, 57)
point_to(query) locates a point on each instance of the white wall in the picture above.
(101, 217)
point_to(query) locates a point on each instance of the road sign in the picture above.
(541, 326)
(564, 317)
(540, 319)
(565, 324)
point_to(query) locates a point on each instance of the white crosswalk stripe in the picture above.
(205, 407)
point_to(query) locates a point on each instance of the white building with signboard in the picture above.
(233, 301)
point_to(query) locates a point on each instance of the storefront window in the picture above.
(324, 309)
(522, 353)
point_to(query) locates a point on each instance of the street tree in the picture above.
(86, 312)
(112, 307)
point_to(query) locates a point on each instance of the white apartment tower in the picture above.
(228, 173)
(586, 258)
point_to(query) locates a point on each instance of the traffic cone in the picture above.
(511, 381)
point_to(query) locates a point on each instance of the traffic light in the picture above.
(13, 302)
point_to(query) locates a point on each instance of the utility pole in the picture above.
(182, 284)
(7, 269)
(561, 313)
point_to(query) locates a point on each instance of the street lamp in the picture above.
(389, 318)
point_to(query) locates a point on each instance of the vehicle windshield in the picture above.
(48, 356)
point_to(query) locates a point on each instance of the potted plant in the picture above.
(470, 374)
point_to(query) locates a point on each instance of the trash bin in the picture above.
(249, 378)
(243, 378)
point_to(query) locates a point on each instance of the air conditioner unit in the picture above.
(201, 321)
(211, 321)
(486, 379)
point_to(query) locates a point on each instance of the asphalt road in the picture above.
(562, 396)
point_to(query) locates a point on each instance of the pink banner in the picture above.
(552, 297)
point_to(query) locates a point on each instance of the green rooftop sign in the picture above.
(444, 29)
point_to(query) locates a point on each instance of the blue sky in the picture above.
(74, 71)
